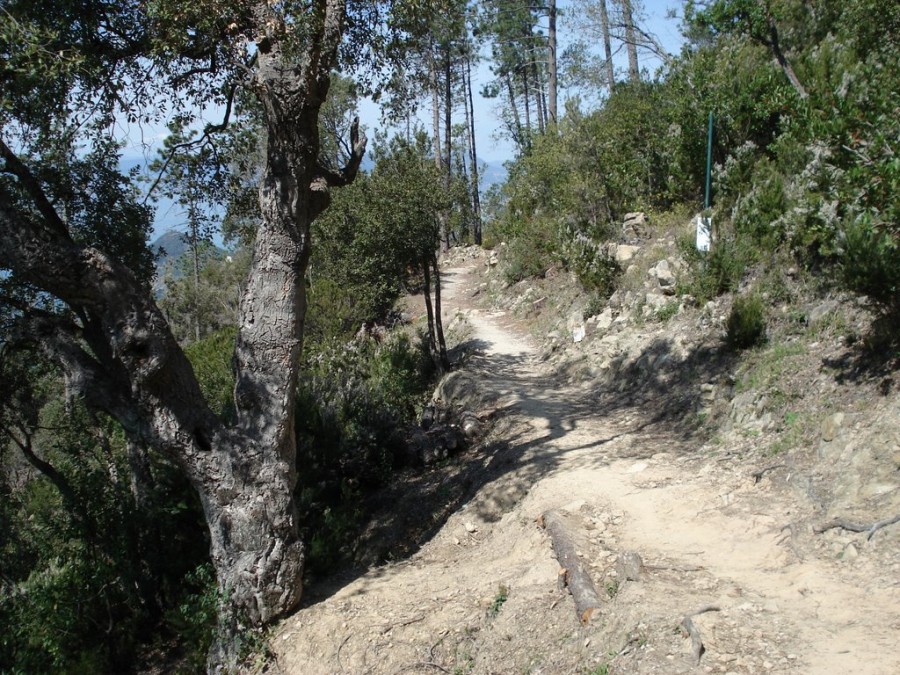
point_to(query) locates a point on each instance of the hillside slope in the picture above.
(646, 437)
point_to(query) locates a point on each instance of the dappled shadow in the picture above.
(545, 423)
(876, 355)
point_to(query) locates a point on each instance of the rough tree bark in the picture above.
(117, 352)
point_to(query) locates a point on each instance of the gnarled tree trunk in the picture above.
(117, 352)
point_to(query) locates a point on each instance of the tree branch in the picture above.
(32, 186)
(347, 174)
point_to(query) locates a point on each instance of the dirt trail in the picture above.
(481, 595)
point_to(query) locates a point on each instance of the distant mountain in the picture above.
(171, 244)
(170, 247)
(494, 172)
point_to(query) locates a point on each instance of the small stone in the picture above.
(470, 528)
(850, 553)
(629, 566)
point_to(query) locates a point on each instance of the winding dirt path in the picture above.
(481, 595)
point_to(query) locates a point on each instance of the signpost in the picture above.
(704, 222)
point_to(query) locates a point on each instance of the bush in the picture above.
(746, 323)
(717, 271)
(353, 401)
(870, 264)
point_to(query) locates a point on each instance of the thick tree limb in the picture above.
(572, 573)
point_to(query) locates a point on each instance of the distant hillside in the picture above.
(170, 247)
(171, 244)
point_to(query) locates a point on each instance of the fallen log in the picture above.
(572, 574)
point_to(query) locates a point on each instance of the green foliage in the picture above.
(211, 360)
(717, 271)
(86, 571)
(197, 305)
(374, 238)
(353, 402)
(809, 172)
(870, 263)
(746, 325)
(499, 600)
(194, 619)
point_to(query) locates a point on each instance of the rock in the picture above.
(629, 566)
(662, 272)
(470, 424)
(821, 311)
(831, 426)
(850, 553)
(638, 217)
(493, 260)
(635, 225)
(625, 252)
(428, 415)
(470, 528)
(605, 319)
(655, 301)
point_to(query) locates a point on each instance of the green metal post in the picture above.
(709, 159)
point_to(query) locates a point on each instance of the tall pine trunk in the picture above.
(607, 46)
(551, 63)
(514, 108)
(473, 154)
(634, 72)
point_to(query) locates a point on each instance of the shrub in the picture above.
(353, 402)
(870, 263)
(717, 271)
(746, 323)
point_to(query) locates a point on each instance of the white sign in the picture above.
(704, 233)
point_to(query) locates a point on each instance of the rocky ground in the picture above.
(693, 483)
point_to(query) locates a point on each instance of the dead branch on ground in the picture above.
(572, 573)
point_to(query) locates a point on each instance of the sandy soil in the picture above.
(481, 595)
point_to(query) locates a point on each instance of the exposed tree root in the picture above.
(687, 623)
(856, 527)
(757, 475)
